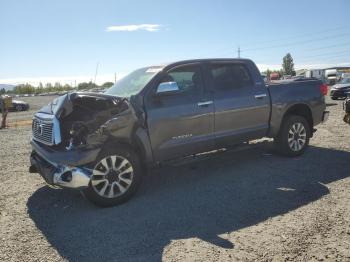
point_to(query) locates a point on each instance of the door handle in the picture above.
(261, 96)
(206, 103)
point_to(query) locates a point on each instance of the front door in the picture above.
(181, 123)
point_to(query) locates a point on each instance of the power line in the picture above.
(296, 43)
(305, 34)
(283, 39)
(327, 47)
(316, 61)
(328, 54)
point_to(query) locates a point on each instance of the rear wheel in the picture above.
(115, 178)
(294, 136)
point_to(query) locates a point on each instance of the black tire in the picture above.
(103, 201)
(284, 141)
(19, 108)
(346, 118)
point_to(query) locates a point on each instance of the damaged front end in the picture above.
(69, 133)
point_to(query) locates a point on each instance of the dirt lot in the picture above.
(248, 205)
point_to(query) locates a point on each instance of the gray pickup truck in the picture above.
(103, 143)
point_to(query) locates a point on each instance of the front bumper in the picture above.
(338, 93)
(63, 169)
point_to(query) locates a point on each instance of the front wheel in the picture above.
(294, 136)
(115, 178)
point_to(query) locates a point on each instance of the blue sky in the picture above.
(64, 40)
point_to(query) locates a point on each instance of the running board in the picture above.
(205, 155)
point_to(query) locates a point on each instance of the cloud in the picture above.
(132, 28)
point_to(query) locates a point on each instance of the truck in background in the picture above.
(332, 76)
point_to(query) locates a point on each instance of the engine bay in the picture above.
(83, 114)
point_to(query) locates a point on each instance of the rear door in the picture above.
(241, 105)
(181, 123)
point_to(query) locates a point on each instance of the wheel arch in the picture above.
(302, 110)
(138, 142)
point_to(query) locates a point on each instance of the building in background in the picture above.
(317, 73)
(335, 74)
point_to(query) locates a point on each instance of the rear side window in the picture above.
(230, 76)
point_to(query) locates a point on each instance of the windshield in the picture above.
(134, 82)
(345, 81)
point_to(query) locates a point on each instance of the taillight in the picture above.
(324, 89)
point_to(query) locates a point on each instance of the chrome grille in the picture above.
(43, 131)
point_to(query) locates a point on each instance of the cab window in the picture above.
(188, 78)
(230, 76)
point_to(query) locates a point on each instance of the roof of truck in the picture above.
(191, 61)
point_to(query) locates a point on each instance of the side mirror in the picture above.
(167, 88)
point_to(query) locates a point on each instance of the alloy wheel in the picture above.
(112, 176)
(297, 137)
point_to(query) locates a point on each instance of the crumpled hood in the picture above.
(53, 107)
(63, 104)
(88, 118)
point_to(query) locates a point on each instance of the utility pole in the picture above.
(115, 78)
(239, 52)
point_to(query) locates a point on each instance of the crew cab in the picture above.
(102, 144)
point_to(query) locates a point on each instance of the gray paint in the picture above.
(172, 126)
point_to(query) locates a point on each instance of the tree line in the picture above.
(49, 88)
(287, 69)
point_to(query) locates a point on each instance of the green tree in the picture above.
(48, 87)
(2, 91)
(40, 88)
(107, 84)
(24, 89)
(67, 87)
(288, 65)
(83, 85)
(57, 86)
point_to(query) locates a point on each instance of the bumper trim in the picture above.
(78, 178)
(77, 157)
(60, 175)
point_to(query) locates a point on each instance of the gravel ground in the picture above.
(248, 205)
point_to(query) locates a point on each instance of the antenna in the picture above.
(96, 72)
